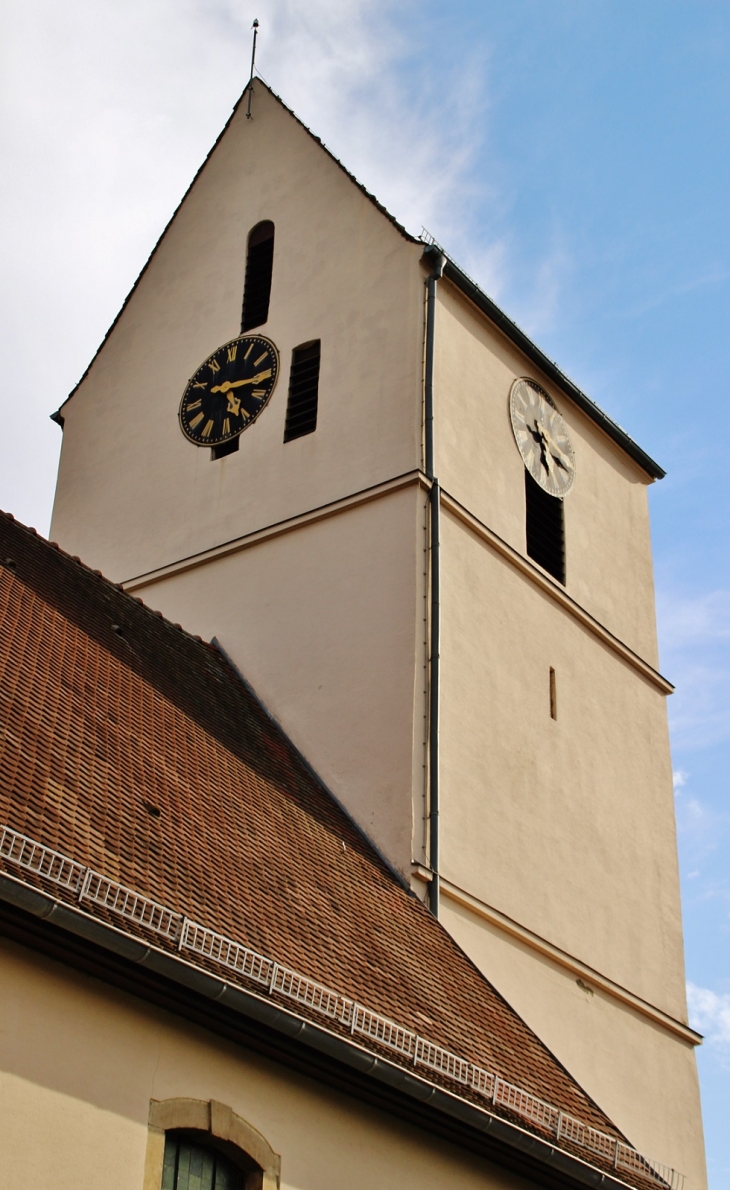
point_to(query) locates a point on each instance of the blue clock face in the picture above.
(228, 391)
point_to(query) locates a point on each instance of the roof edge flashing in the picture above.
(525, 344)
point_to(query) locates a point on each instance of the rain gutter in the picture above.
(437, 261)
(40, 921)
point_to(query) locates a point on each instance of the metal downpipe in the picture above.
(435, 592)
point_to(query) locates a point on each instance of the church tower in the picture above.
(311, 437)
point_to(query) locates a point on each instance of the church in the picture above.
(337, 839)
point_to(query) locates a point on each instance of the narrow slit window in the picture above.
(301, 408)
(545, 529)
(553, 695)
(259, 265)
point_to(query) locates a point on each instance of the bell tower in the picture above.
(429, 554)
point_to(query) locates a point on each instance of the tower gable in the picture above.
(343, 273)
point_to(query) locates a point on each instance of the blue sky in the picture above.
(571, 155)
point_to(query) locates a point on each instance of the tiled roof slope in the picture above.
(138, 751)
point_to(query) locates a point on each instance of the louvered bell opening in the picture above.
(545, 530)
(257, 288)
(301, 409)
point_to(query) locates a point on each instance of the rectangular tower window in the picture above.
(553, 695)
(301, 409)
(545, 531)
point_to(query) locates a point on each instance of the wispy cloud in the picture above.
(353, 69)
(714, 277)
(709, 1013)
(695, 645)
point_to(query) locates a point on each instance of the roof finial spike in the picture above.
(255, 28)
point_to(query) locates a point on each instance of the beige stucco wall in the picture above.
(133, 493)
(567, 825)
(79, 1064)
(642, 1074)
(327, 623)
(608, 550)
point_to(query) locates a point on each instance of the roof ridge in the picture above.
(360, 185)
(398, 876)
(98, 574)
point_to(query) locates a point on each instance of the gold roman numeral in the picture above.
(205, 432)
(259, 392)
(256, 362)
(250, 349)
(195, 405)
(214, 366)
(232, 352)
(226, 426)
(200, 384)
(196, 420)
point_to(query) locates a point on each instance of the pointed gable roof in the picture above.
(257, 82)
(136, 753)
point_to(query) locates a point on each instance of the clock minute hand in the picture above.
(229, 384)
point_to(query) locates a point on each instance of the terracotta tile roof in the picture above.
(134, 748)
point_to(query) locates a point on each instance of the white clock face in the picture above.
(542, 437)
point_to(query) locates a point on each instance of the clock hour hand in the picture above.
(538, 435)
(229, 384)
(555, 451)
(549, 449)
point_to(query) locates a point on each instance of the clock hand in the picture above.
(560, 458)
(549, 448)
(539, 436)
(228, 384)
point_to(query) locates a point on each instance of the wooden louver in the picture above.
(301, 409)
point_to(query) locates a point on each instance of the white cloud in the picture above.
(695, 645)
(679, 779)
(709, 1013)
(354, 71)
(692, 620)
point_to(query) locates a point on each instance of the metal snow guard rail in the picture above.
(89, 885)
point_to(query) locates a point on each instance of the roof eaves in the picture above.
(516, 335)
(490, 1134)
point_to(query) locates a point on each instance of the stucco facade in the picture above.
(309, 561)
(80, 1066)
